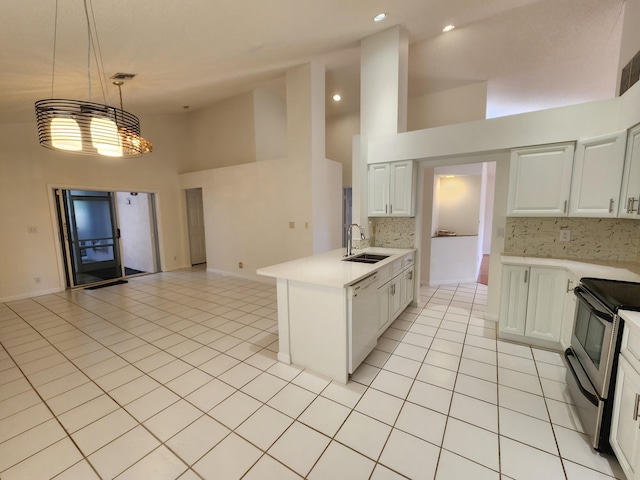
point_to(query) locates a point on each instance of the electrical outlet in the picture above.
(500, 232)
(32, 229)
(36, 279)
(565, 235)
(292, 224)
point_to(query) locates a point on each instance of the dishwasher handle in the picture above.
(363, 285)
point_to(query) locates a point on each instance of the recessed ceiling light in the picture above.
(448, 28)
(379, 17)
(337, 97)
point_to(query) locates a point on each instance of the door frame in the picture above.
(57, 234)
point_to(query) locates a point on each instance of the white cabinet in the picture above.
(396, 290)
(384, 314)
(625, 423)
(625, 428)
(408, 283)
(392, 189)
(570, 303)
(597, 176)
(532, 303)
(629, 205)
(540, 181)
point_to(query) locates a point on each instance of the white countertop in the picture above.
(579, 269)
(328, 269)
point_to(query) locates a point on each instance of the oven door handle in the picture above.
(586, 298)
(587, 394)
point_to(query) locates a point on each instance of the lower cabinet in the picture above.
(393, 297)
(625, 428)
(532, 302)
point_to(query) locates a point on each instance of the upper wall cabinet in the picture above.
(629, 206)
(392, 189)
(540, 181)
(597, 175)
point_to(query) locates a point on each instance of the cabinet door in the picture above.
(568, 318)
(513, 303)
(401, 189)
(395, 299)
(630, 194)
(384, 314)
(540, 181)
(407, 291)
(597, 176)
(625, 434)
(379, 189)
(545, 305)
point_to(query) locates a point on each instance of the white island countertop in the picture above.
(329, 270)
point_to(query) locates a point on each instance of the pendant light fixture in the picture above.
(85, 127)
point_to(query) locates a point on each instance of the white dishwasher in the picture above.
(363, 319)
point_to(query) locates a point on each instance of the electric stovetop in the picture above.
(614, 294)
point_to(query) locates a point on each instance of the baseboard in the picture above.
(452, 281)
(38, 293)
(246, 276)
(491, 316)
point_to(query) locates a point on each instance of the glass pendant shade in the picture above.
(105, 138)
(65, 134)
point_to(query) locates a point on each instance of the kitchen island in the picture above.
(326, 321)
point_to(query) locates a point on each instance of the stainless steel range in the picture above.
(593, 354)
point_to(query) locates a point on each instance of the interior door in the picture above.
(195, 216)
(90, 236)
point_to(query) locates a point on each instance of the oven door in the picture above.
(593, 339)
(589, 405)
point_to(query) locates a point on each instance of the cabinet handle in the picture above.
(564, 209)
(611, 205)
(526, 275)
(411, 275)
(386, 208)
(391, 209)
(633, 202)
(569, 283)
(635, 407)
(629, 204)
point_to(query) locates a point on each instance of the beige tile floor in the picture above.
(174, 375)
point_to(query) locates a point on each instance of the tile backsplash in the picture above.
(395, 232)
(591, 238)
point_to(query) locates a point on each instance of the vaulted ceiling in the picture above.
(533, 53)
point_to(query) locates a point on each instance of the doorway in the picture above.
(195, 220)
(97, 232)
(457, 220)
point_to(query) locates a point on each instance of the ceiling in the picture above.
(533, 53)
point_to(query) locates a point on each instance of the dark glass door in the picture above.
(90, 236)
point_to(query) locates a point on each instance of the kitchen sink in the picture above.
(366, 258)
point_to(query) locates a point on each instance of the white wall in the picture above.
(490, 187)
(134, 220)
(268, 212)
(221, 135)
(630, 41)
(27, 173)
(448, 107)
(458, 203)
(340, 131)
(270, 124)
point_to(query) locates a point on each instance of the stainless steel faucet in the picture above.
(350, 237)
